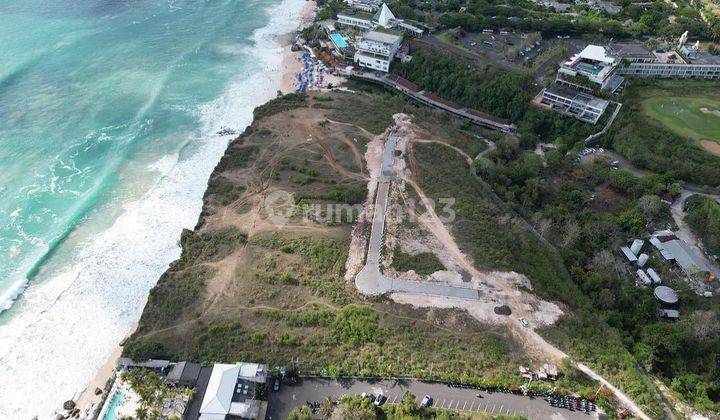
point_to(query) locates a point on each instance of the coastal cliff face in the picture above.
(249, 286)
(252, 286)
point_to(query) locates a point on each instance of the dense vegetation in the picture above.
(703, 216)
(587, 211)
(499, 93)
(485, 228)
(153, 391)
(630, 19)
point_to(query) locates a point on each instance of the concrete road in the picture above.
(464, 400)
(370, 280)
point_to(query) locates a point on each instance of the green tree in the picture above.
(302, 412)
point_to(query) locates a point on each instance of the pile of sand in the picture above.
(711, 146)
(714, 112)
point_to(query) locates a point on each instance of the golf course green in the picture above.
(694, 117)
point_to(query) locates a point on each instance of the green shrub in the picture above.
(424, 263)
(356, 325)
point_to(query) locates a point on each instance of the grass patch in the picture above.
(684, 116)
(281, 104)
(656, 143)
(424, 263)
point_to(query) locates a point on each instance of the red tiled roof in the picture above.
(445, 102)
(407, 84)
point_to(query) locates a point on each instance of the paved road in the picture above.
(444, 397)
(370, 280)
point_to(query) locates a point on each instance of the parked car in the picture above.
(380, 399)
(426, 401)
(276, 385)
(524, 322)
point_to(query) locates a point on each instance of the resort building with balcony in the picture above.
(573, 103)
(593, 64)
(684, 62)
(376, 50)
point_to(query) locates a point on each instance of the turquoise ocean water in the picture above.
(109, 114)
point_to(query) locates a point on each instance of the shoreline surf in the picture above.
(87, 400)
(150, 230)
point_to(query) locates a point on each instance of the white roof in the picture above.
(246, 409)
(654, 276)
(384, 16)
(678, 250)
(220, 389)
(637, 243)
(253, 372)
(666, 294)
(596, 53)
(212, 416)
(645, 279)
(628, 254)
(381, 37)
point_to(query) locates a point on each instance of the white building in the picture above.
(376, 50)
(382, 18)
(573, 103)
(675, 249)
(230, 392)
(596, 65)
(357, 19)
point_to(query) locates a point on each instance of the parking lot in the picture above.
(444, 396)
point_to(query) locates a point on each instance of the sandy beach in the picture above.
(291, 59)
(291, 66)
(88, 400)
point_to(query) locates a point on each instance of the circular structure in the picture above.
(666, 295)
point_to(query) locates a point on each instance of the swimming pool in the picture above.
(111, 412)
(338, 40)
(589, 69)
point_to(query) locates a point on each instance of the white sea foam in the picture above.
(67, 326)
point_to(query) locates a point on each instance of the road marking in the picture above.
(457, 405)
(471, 405)
(485, 410)
(394, 399)
(464, 404)
(501, 407)
(450, 404)
(493, 410)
